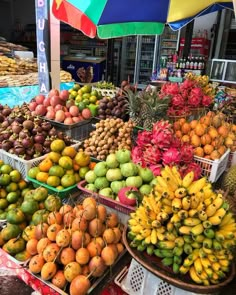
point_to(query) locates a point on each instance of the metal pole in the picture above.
(188, 39)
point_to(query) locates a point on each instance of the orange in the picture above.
(92, 165)
(54, 156)
(22, 184)
(15, 175)
(193, 124)
(66, 162)
(57, 145)
(42, 177)
(215, 155)
(67, 180)
(75, 166)
(53, 181)
(199, 151)
(195, 140)
(45, 165)
(185, 138)
(208, 149)
(69, 151)
(82, 159)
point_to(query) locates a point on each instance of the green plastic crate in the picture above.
(52, 190)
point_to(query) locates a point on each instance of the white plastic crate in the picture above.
(23, 166)
(106, 92)
(213, 169)
(136, 280)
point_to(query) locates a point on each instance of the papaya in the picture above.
(10, 231)
(23, 255)
(29, 206)
(40, 194)
(15, 245)
(15, 216)
(29, 232)
(53, 203)
(40, 216)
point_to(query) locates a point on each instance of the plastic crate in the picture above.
(52, 190)
(77, 131)
(23, 166)
(136, 280)
(213, 169)
(106, 92)
(106, 201)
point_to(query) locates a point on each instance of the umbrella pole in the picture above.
(188, 39)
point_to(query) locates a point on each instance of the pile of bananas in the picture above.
(187, 225)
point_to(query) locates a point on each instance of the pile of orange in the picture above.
(63, 167)
(211, 135)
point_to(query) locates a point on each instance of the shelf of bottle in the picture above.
(168, 47)
(170, 40)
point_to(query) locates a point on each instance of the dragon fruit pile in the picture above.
(184, 97)
(159, 147)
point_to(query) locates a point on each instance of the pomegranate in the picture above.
(60, 116)
(46, 102)
(32, 105)
(68, 121)
(74, 111)
(55, 100)
(53, 92)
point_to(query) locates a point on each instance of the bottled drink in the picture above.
(191, 64)
(187, 65)
(195, 66)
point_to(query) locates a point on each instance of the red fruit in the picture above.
(50, 108)
(53, 92)
(125, 193)
(58, 107)
(40, 110)
(32, 105)
(68, 121)
(86, 113)
(39, 99)
(67, 114)
(60, 116)
(55, 100)
(76, 119)
(46, 102)
(50, 115)
(64, 95)
(74, 111)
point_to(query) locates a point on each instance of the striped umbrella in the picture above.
(116, 18)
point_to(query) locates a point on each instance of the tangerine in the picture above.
(208, 149)
(195, 140)
(215, 155)
(32, 173)
(53, 181)
(54, 156)
(57, 145)
(69, 151)
(42, 177)
(66, 162)
(45, 165)
(68, 180)
(82, 159)
(193, 124)
(15, 175)
(56, 170)
(199, 152)
(185, 138)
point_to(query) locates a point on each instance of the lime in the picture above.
(33, 172)
(15, 175)
(53, 181)
(3, 203)
(81, 105)
(5, 179)
(76, 87)
(83, 171)
(6, 169)
(93, 99)
(12, 197)
(12, 187)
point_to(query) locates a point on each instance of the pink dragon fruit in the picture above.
(194, 100)
(137, 155)
(151, 155)
(156, 169)
(185, 93)
(176, 143)
(171, 156)
(187, 84)
(186, 152)
(206, 100)
(195, 168)
(177, 100)
(144, 137)
(162, 134)
(170, 88)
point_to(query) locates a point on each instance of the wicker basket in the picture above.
(154, 265)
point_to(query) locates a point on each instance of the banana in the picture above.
(183, 269)
(175, 268)
(199, 238)
(205, 262)
(177, 175)
(169, 226)
(194, 275)
(167, 261)
(150, 249)
(166, 201)
(156, 223)
(158, 253)
(179, 242)
(229, 235)
(210, 210)
(161, 182)
(198, 265)
(202, 253)
(201, 206)
(216, 266)
(197, 229)
(216, 245)
(188, 179)
(186, 203)
(185, 230)
(167, 253)
(188, 239)
(170, 180)
(208, 201)
(191, 221)
(196, 245)
(207, 224)
(176, 205)
(212, 258)
(207, 243)
(209, 233)
(132, 222)
(196, 186)
(166, 244)
(202, 215)
(209, 272)
(219, 236)
(218, 202)
(170, 236)
(136, 228)
(193, 213)
(217, 217)
(227, 219)
(146, 232)
(206, 282)
(203, 276)
(162, 216)
(207, 250)
(148, 240)
(175, 218)
(141, 248)
(160, 236)
(224, 262)
(176, 178)
(178, 251)
(154, 237)
(188, 261)
(188, 249)
(177, 259)
(229, 227)
(167, 209)
(183, 214)
(180, 192)
(228, 244)
(194, 202)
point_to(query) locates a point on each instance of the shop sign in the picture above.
(42, 31)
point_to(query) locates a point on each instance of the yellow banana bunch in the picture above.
(188, 179)
(196, 186)
(176, 174)
(186, 202)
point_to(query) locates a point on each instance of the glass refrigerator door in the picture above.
(128, 58)
(146, 59)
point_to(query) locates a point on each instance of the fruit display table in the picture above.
(13, 96)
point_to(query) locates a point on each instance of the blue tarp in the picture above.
(13, 96)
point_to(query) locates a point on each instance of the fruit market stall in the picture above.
(73, 206)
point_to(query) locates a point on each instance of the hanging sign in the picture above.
(42, 32)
